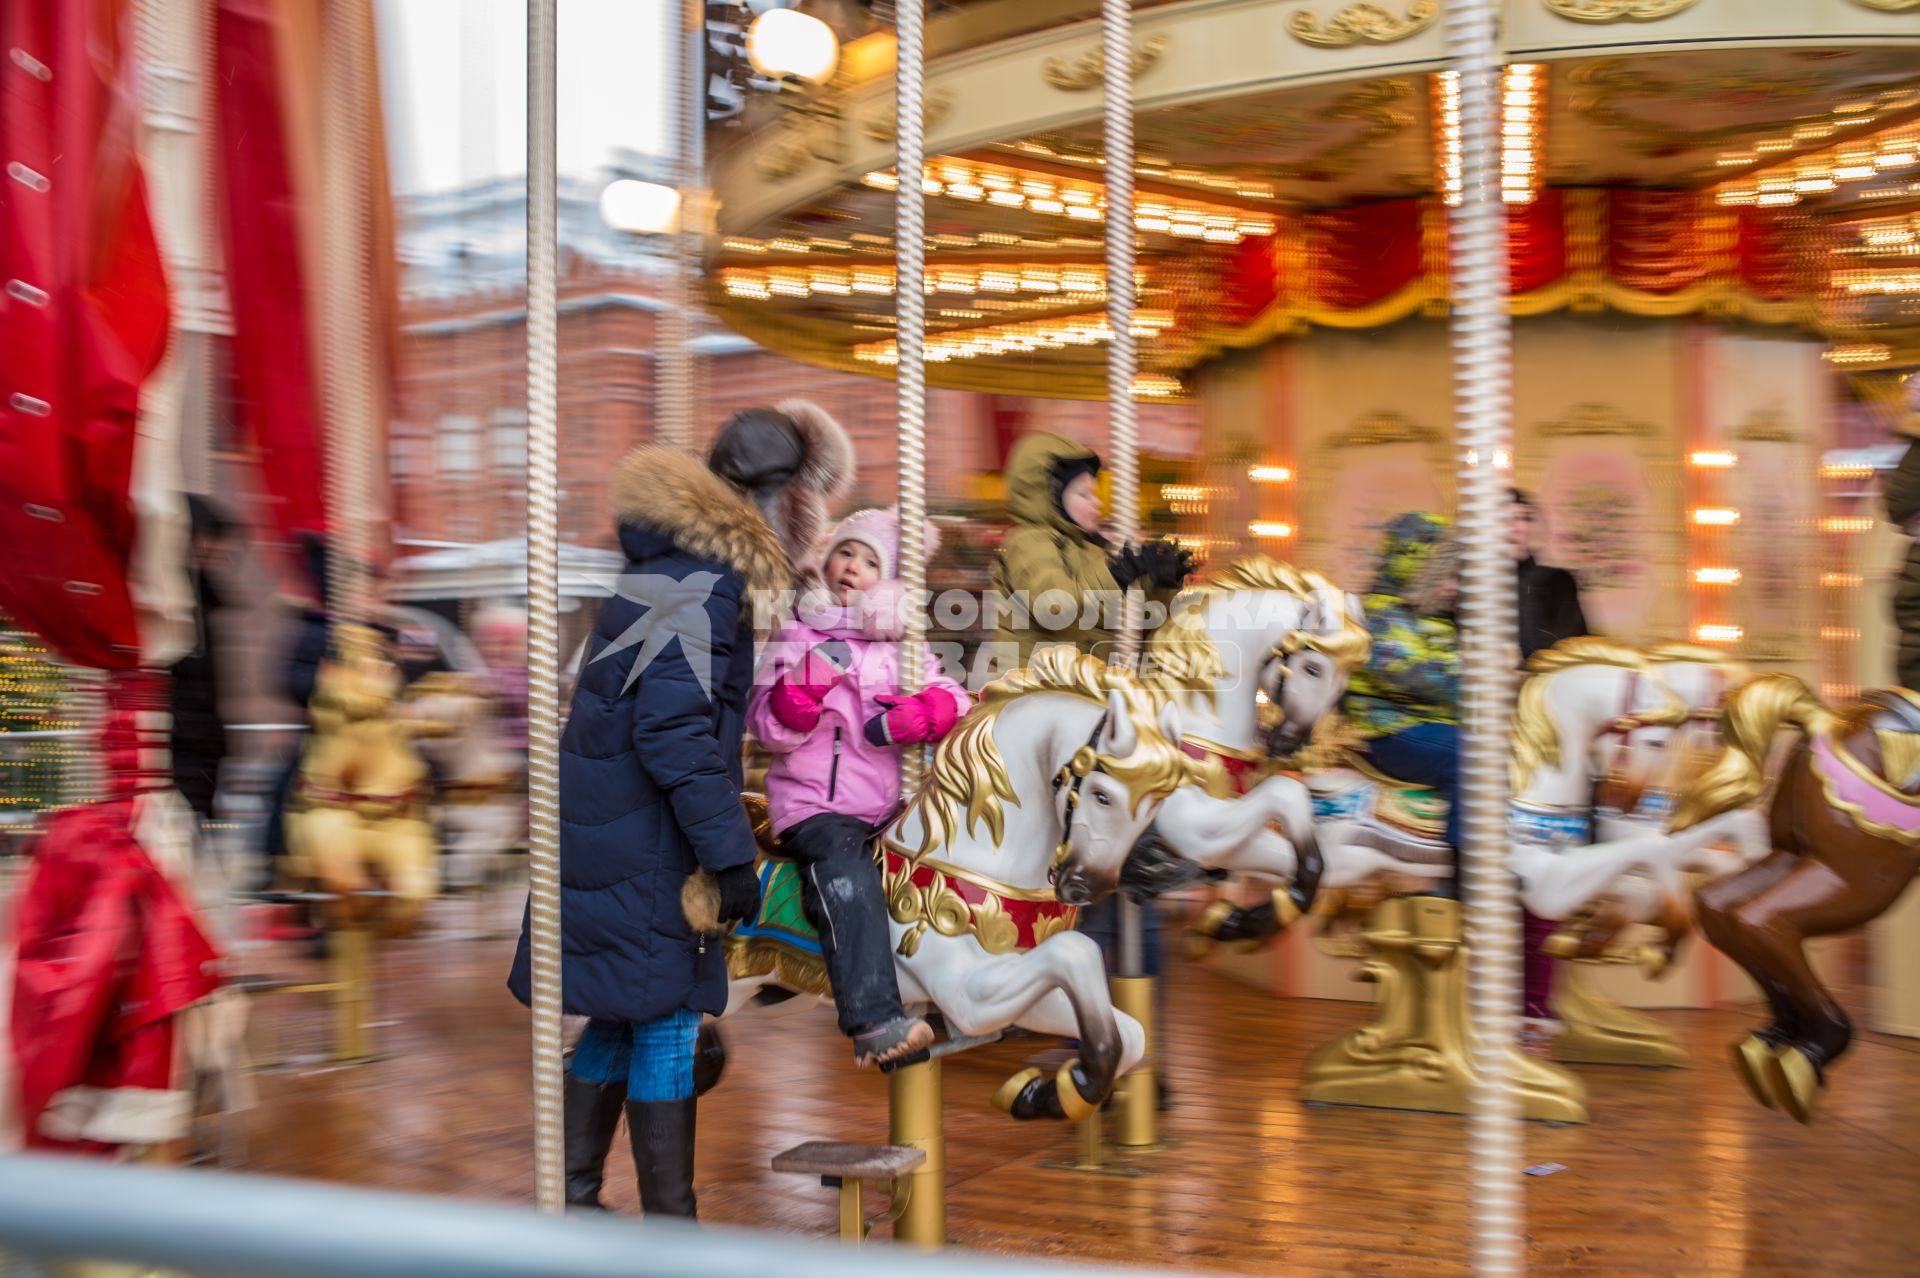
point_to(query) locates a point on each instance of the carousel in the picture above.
(1647, 260)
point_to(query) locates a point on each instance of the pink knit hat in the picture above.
(879, 531)
(884, 610)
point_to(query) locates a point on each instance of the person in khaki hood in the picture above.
(1058, 578)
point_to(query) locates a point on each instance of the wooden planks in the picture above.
(1680, 1173)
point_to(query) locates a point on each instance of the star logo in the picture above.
(672, 608)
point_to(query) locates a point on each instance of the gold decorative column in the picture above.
(1416, 1053)
(913, 1120)
(1600, 1031)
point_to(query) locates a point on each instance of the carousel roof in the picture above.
(1768, 174)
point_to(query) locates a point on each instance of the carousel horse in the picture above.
(1583, 698)
(1640, 789)
(481, 815)
(1030, 809)
(1260, 635)
(359, 812)
(1845, 830)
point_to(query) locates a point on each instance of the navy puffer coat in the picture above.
(650, 760)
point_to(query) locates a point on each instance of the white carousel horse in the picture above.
(481, 816)
(1582, 698)
(1030, 809)
(1259, 631)
(1642, 785)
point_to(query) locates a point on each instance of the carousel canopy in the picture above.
(1295, 163)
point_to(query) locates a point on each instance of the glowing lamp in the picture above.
(1261, 528)
(641, 208)
(786, 42)
(1269, 474)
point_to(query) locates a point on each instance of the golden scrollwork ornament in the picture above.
(1622, 10)
(1363, 24)
(881, 127)
(1089, 70)
(1889, 6)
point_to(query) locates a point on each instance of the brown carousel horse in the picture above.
(1845, 828)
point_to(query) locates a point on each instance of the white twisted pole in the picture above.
(1123, 358)
(910, 297)
(1483, 406)
(676, 354)
(543, 619)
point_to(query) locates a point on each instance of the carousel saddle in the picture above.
(781, 941)
(1405, 820)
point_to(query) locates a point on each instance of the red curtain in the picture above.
(1364, 254)
(273, 348)
(1537, 242)
(84, 324)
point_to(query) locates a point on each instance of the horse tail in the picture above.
(1751, 717)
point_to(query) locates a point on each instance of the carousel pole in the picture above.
(676, 353)
(913, 1091)
(1483, 407)
(1136, 1106)
(543, 590)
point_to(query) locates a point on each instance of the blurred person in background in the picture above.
(1057, 557)
(500, 635)
(199, 733)
(1549, 597)
(1903, 508)
(656, 852)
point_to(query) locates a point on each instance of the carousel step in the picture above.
(839, 1160)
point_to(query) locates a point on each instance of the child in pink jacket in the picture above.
(827, 705)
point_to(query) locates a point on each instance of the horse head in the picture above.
(1582, 698)
(1107, 792)
(1310, 666)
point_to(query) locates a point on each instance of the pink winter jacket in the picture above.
(833, 768)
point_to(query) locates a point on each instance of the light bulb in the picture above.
(641, 208)
(786, 42)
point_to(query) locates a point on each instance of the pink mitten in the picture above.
(942, 712)
(796, 697)
(911, 720)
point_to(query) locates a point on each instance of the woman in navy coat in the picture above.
(650, 777)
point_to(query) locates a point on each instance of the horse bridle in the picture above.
(1073, 774)
(1627, 723)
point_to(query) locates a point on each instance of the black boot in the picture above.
(662, 1136)
(592, 1115)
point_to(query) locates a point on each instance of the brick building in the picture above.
(458, 436)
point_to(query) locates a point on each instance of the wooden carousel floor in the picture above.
(1679, 1173)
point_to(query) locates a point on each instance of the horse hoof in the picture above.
(1285, 911)
(1753, 1062)
(1073, 1106)
(1561, 945)
(1008, 1098)
(1655, 960)
(1206, 928)
(1798, 1082)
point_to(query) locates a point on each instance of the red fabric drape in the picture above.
(1537, 242)
(1654, 240)
(84, 324)
(1364, 254)
(272, 342)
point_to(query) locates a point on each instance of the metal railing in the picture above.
(219, 1225)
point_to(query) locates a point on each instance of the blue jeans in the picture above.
(1427, 754)
(654, 1059)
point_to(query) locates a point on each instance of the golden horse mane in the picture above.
(1536, 737)
(1750, 719)
(969, 782)
(1181, 657)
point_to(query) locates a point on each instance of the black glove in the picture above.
(739, 893)
(1125, 566)
(1166, 562)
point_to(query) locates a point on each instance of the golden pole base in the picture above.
(914, 1119)
(1416, 1052)
(349, 948)
(1136, 1104)
(1601, 1032)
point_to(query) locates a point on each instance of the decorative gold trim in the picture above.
(1362, 24)
(978, 880)
(1767, 426)
(1595, 419)
(1245, 756)
(1089, 70)
(1889, 6)
(1601, 11)
(881, 127)
(1384, 428)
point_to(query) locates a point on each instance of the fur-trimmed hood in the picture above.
(824, 477)
(674, 493)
